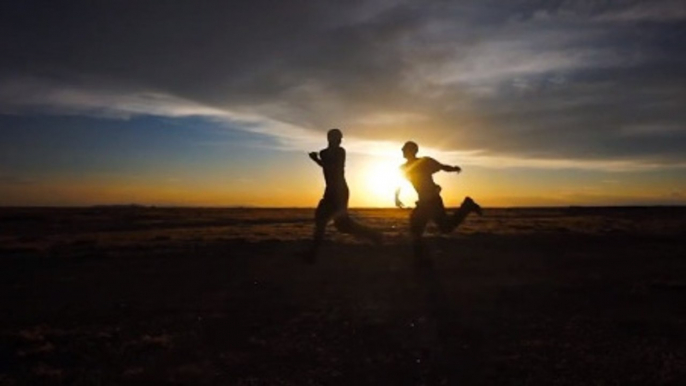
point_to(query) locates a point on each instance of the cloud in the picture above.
(24, 95)
(69, 100)
(647, 130)
(529, 83)
(652, 11)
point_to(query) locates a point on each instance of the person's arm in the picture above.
(434, 166)
(398, 203)
(314, 156)
(448, 168)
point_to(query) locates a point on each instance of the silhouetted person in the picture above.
(334, 204)
(419, 171)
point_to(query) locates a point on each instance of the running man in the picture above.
(334, 204)
(419, 171)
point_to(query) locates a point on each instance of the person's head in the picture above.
(334, 136)
(410, 150)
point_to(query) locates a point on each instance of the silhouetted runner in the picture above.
(419, 171)
(334, 204)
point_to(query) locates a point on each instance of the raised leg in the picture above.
(468, 206)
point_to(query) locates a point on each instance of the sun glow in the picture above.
(381, 181)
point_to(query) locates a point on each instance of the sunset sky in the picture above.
(218, 102)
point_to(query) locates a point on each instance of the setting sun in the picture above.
(381, 180)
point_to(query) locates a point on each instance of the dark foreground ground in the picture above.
(111, 296)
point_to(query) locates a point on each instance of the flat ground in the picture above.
(156, 296)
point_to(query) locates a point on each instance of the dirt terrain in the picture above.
(198, 296)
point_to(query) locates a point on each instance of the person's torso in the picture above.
(420, 174)
(333, 164)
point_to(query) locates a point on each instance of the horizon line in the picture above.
(172, 206)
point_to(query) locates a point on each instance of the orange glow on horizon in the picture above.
(372, 182)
